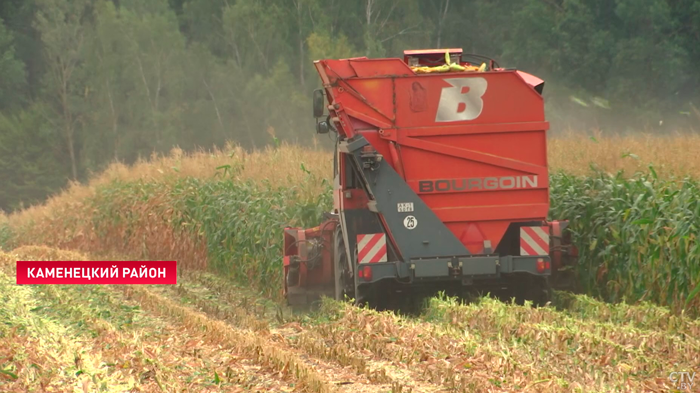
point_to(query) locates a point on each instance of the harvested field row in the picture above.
(356, 369)
(95, 337)
(149, 338)
(504, 354)
(489, 346)
(206, 334)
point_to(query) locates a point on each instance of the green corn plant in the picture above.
(5, 235)
(240, 222)
(636, 235)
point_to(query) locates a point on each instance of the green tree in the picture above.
(12, 73)
(60, 23)
(18, 17)
(210, 104)
(155, 56)
(118, 79)
(256, 29)
(647, 69)
(202, 22)
(30, 164)
(108, 87)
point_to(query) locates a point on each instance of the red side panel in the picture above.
(471, 144)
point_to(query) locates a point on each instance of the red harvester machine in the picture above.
(441, 183)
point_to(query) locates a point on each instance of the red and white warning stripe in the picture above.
(534, 240)
(371, 248)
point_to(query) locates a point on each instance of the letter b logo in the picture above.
(462, 101)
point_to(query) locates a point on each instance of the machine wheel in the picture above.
(541, 291)
(535, 289)
(565, 280)
(364, 296)
(344, 282)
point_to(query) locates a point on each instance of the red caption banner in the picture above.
(96, 272)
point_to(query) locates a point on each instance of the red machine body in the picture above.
(471, 145)
(395, 110)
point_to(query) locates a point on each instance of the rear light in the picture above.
(366, 273)
(542, 265)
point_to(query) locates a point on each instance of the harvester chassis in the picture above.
(505, 276)
(398, 229)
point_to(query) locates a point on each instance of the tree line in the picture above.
(87, 82)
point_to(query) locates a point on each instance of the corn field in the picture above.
(636, 234)
(221, 217)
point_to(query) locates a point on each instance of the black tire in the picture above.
(542, 291)
(565, 280)
(536, 289)
(366, 296)
(344, 283)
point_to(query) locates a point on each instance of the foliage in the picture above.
(239, 223)
(637, 237)
(5, 233)
(31, 163)
(63, 36)
(12, 70)
(118, 80)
